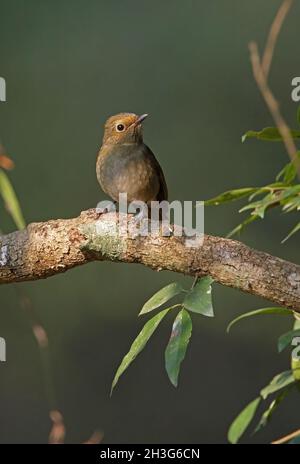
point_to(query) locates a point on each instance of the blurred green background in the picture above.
(68, 66)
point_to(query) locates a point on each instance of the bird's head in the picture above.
(123, 128)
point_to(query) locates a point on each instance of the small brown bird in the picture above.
(126, 165)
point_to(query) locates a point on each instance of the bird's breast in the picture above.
(127, 169)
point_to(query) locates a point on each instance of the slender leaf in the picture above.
(178, 343)
(288, 173)
(291, 204)
(199, 299)
(231, 195)
(138, 344)
(286, 339)
(266, 416)
(259, 207)
(258, 312)
(279, 382)
(293, 232)
(290, 191)
(274, 197)
(242, 421)
(238, 229)
(162, 296)
(11, 201)
(276, 186)
(269, 134)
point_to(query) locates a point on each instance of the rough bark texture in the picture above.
(45, 249)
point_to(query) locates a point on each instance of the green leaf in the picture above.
(231, 195)
(199, 300)
(11, 200)
(259, 207)
(277, 383)
(239, 228)
(289, 198)
(290, 191)
(138, 345)
(269, 134)
(288, 173)
(266, 416)
(178, 343)
(162, 296)
(286, 339)
(291, 204)
(293, 232)
(258, 312)
(275, 186)
(242, 421)
(273, 198)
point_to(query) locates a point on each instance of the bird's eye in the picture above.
(120, 127)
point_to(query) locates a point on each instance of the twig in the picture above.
(43, 344)
(287, 438)
(260, 71)
(95, 439)
(273, 35)
(58, 430)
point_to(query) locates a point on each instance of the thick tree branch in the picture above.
(45, 249)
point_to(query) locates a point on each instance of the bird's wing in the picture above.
(163, 189)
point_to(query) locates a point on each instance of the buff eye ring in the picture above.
(120, 127)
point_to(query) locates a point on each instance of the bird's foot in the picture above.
(138, 217)
(139, 224)
(139, 211)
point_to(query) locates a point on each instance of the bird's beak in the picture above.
(140, 119)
